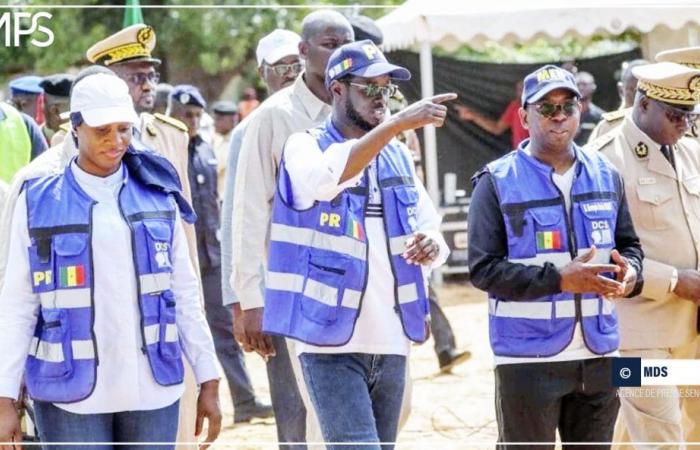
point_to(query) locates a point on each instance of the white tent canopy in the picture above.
(450, 23)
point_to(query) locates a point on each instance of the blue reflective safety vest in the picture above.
(540, 230)
(62, 362)
(317, 263)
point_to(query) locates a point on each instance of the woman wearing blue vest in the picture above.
(101, 302)
(552, 242)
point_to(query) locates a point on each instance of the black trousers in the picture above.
(533, 400)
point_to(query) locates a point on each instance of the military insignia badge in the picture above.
(145, 35)
(641, 150)
(184, 98)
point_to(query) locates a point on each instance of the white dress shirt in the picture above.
(124, 379)
(314, 177)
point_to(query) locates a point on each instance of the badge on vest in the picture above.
(162, 257)
(72, 276)
(601, 233)
(548, 240)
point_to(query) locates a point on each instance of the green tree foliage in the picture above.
(205, 46)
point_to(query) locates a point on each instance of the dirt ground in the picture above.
(453, 411)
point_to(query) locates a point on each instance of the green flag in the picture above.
(132, 13)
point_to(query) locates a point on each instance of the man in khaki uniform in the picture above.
(661, 172)
(128, 54)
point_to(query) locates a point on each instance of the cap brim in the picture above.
(145, 59)
(280, 52)
(379, 69)
(552, 87)
(102, 116)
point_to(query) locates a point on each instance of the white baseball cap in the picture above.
(277, 45)
(102, 99)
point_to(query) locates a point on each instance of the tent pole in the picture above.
(431, 169)
(427, 90)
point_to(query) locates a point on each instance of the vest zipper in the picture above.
(136, 265)
(571, 238)
(92, 295)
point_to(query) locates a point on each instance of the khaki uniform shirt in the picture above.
(611, 120)
(665, 207)
(293, 109)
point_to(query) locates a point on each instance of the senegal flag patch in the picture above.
(72, 276)
(548, 240)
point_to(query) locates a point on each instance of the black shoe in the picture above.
(252, 410)
(451, 358)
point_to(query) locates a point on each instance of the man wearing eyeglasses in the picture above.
(551, 240)
(353, 238)
(661, 171)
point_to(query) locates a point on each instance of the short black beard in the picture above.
(355, 118)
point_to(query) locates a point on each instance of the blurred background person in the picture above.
(56, 102)
(509, 120)
(27, 96)
(590, 112)
(225, 116)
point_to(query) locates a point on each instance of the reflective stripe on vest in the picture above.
(317, 258)
(541, 230)
(16, 148)
(61, 366)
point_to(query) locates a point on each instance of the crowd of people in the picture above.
(148, 239)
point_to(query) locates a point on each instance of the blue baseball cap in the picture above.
(186, 94)
(362, 59)
(29, 84)
(545, 80)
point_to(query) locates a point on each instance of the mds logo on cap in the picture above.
(18, 24)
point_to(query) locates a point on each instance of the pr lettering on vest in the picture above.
(72, 276)
(548, 240)
(331, 220)
(44, 276)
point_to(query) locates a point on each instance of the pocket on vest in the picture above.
(52, 352)
(407, 204)
(168, 339)
(607, 319)
(158, 242)
(324, 284)
(599, 225)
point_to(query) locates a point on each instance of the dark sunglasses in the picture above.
(676, 114)
(283, 69)
(375, 90)
(549, 110)
(139, 79)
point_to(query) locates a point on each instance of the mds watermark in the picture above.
(17, 25)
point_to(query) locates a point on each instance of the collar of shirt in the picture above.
(136, 141)
(634, 136)
(95, 185)
(313, 105)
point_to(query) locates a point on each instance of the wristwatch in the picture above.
(674, 281)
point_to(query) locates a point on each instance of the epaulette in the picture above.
(170, 121)
(598, 143)
(612, 116)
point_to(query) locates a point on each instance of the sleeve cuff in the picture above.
(657, 279)
(206, 370)
(9, 387)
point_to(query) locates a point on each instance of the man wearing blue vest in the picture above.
(551, 241)
(352, 239)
